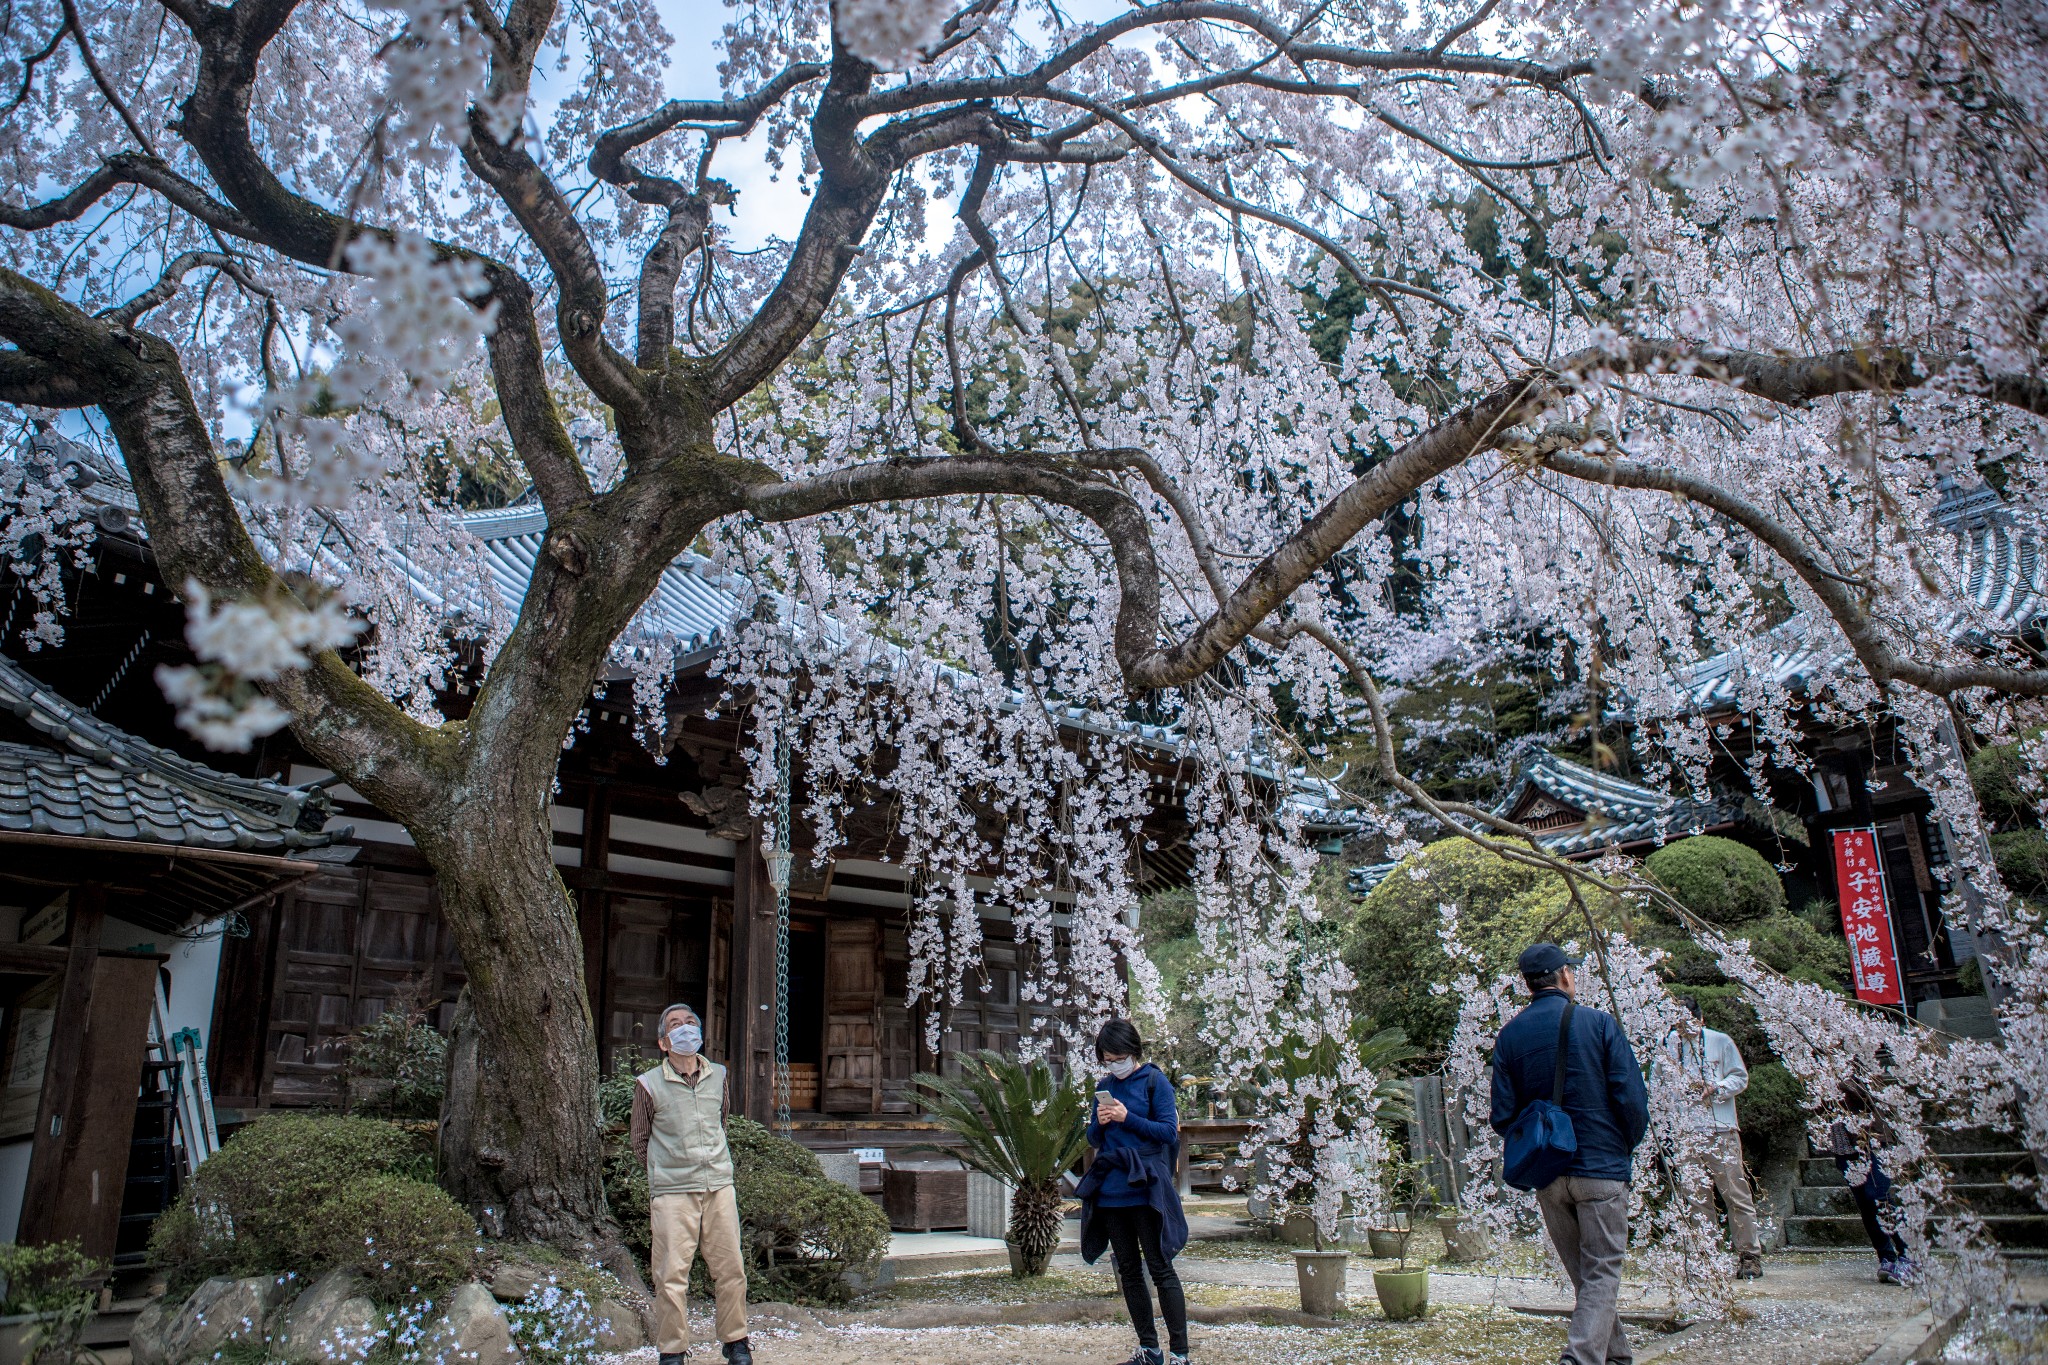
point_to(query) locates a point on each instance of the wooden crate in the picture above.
(803, 1086)
(924, 1200)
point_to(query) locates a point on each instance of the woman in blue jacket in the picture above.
(1129, 1202)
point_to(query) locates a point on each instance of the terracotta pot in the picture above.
(1465, 1239)
(1385, 1242)
(1023, 1265)
(1298, 1228)
(1321, 1276)
(1404, 1294)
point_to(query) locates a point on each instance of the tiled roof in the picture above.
(2004, 581)
(1620, 813)
(692, 607)
(102, 783)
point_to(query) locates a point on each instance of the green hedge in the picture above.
(1393, 948)
(302, 1193)
(800, 1231)
(1995, 773)
(2022, 858)
(1718, 879)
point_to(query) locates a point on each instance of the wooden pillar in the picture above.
(62, 1099)
(750, 1047)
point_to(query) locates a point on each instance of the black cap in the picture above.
(1545, 958)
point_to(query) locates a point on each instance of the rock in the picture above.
(332, 1323)
(618, 1327)
(220, 1311)
(511, 1281)
(146, 1337)
(473, 1331)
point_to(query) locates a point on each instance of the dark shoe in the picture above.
(1888, 1273)
(1148, 1355)
(680, 1358)
(1750, 1267)
(739, 1353)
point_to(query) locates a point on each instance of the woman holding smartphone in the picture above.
(1129, 1202)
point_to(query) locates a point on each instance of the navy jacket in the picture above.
(1153, 1119)
(1603, 1085)
(1135, 1160)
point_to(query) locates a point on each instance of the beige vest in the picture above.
(686, 1151)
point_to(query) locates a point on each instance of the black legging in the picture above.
(1134, 1233)
(1887, 1247)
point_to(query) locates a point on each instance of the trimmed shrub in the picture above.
(1996, 772)
(2022, 858)
(1394, 950)
(1791, 944)
(404, 1237)
(250, 1208)
(802, 1231)
(1773, 1110)
(1718, 879)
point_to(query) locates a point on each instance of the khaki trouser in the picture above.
(1588, 1224)
(1725, 1172)
(685, 1227)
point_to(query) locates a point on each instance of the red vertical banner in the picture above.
(1866, 917)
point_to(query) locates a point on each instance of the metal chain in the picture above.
(782, 1119)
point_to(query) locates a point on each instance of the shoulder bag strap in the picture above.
(1564, 1033)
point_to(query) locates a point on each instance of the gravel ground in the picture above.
(1810, 1309)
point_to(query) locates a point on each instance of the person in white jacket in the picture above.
(1710, 1062)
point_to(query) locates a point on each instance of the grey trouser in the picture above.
(1724, 1172)
(1588, 1223)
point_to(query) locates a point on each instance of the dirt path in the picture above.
(1809, 1310)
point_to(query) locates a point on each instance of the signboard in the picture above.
(1866, 917)
(48, 924)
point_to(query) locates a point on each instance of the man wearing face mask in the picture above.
(679, 1133)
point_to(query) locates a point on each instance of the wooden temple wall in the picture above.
(669, 912)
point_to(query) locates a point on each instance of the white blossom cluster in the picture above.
(889, 34)
(240, 644)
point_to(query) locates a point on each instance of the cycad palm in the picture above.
(1021, 1124)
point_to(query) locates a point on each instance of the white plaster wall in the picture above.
(13, 1185)
(194, 968)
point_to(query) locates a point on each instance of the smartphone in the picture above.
(1100, 1096)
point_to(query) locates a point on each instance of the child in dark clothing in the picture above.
(1129, 1201)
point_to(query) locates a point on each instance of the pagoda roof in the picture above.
(1576, 812)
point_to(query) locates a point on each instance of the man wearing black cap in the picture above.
(1586, 1208)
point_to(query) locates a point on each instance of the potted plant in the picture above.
(1403, 1191)
(49, 1298)
(1022, 1125)
(1465, 1237)
(1304, 1068)
(1404, 1293)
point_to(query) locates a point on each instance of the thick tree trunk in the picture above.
(520, 1143)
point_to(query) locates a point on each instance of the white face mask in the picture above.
(685, 1039)
(1122, 1067)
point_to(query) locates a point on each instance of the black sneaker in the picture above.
(673, 1358)
(1147, 1355)
(739, 1353)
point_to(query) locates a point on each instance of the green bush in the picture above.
(1393, 948)
(398, 1064)
(1718, 879)
(45, 1279)
(800, 1231)
(250, 1209)
(1996, 772)
(1790, 944)
(1773, 1110)
(2022, 858)
(404, 1237)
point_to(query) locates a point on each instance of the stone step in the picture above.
(1835, 1201)
(1975, 1168)
(2015, 1231)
